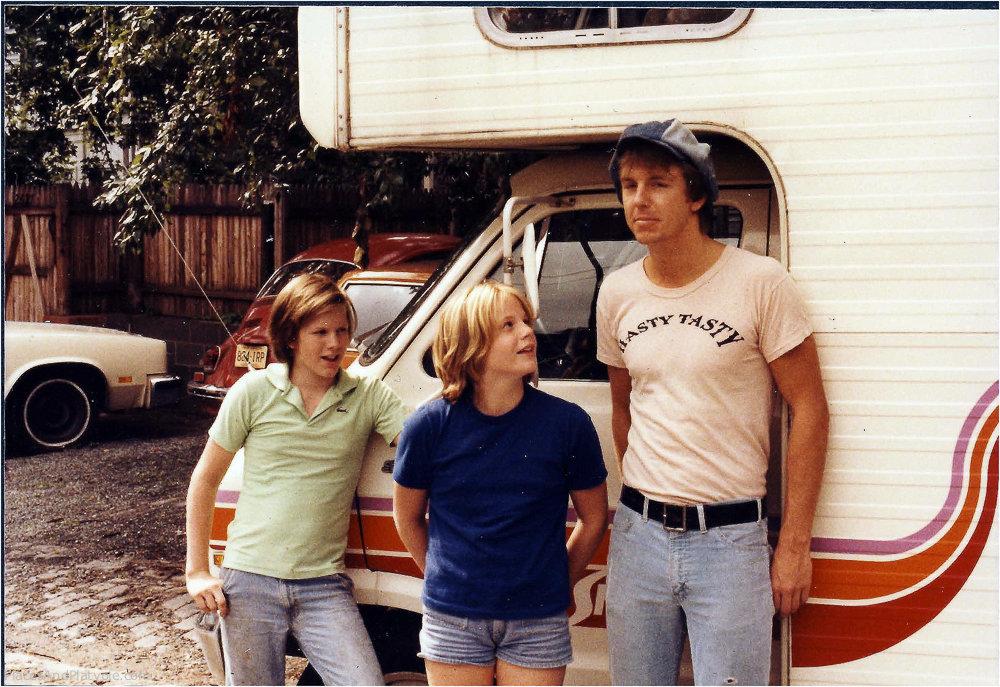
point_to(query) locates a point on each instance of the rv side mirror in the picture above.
(529, 263)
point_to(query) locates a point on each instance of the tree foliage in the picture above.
(195, 94)
(36, 95)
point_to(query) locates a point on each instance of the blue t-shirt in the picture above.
(498, 490)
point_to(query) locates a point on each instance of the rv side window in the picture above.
(550, 26)
(728, 226)
(581, 248)
(545, 19)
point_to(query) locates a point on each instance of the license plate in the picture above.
(254, 357)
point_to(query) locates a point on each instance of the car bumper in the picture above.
(164, 390)
(206, 391)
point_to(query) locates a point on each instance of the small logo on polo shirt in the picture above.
(341, 410)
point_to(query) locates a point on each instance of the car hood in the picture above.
(50, 329)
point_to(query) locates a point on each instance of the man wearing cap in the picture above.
(693, 336)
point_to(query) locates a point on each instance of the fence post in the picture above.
(280, 228)
(266, 247)
(63, 249)
(132, 267)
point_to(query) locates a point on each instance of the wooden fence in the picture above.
(61, 259)
(37, 250)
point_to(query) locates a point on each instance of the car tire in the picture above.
(395, 635)
(51, 413)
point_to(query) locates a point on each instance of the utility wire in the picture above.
(152, 211)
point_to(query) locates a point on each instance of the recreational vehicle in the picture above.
(858, 147)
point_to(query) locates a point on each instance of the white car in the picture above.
(59, 377)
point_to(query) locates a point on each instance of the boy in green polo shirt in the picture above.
(303, 425)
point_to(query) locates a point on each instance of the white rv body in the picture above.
(860, 149)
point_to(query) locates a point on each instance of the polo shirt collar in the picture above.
(277, 374)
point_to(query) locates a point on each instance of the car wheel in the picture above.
(54, 413)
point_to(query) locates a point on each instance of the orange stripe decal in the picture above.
(828, 634)
(220, 523)
(868, 579)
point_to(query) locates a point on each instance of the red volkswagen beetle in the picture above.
(248, 347)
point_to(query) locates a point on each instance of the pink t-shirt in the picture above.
(698, 357)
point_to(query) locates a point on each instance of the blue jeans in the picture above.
(319, 612)
(714, 586)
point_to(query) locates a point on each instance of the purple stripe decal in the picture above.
(376, 504)
(225, 496)
(897, 546)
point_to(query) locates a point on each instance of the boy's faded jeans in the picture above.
(713, 585)
(320, 613)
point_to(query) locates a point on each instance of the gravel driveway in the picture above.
(94, 556)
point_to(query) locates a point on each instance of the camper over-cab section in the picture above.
(462, 77)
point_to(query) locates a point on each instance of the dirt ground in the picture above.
(94, 556)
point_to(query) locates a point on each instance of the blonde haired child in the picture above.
(465, 334)
(496, 459)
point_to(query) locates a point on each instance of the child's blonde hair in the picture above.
(303, 297)
(466, 331)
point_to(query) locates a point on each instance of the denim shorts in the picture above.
(529, 643)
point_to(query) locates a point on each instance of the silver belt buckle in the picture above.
(684, 520)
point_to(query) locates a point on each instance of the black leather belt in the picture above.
(682, 518)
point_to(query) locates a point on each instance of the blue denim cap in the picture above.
(677, 139)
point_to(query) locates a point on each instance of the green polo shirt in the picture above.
(299, 472)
